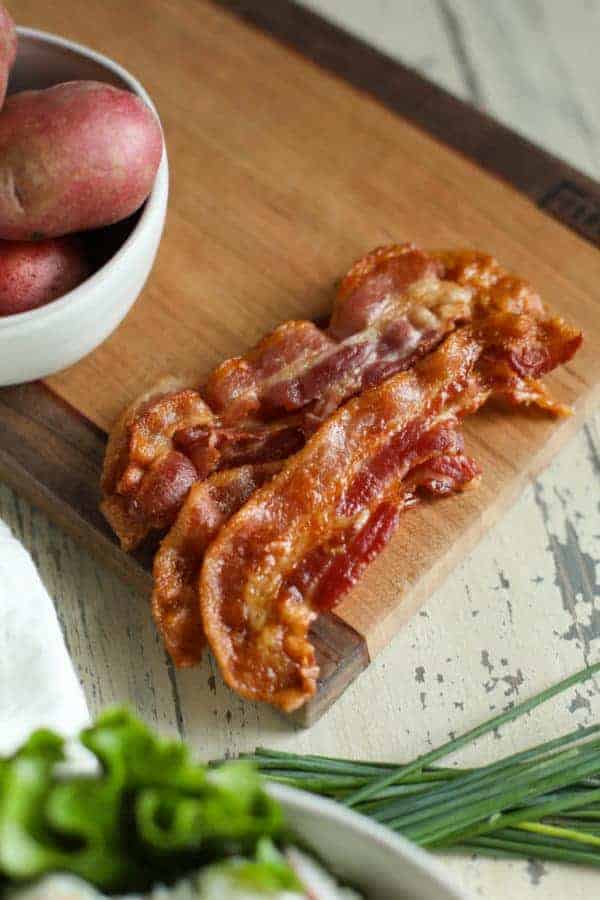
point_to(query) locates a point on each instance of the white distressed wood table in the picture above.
(524, 609)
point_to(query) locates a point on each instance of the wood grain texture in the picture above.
(53, 456)
(522, 609)
(260, 195)
(245, 145)
(500, 150)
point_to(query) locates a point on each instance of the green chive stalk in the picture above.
(541, 803)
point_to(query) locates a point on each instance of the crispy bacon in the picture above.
(394, 307)
(391, 308)
(391, 305)
(211, 503)
(435, 464)
(144, 478)
(208, 506)
(308, 534)
(236, 388)
(297, 544)
(212, 448)
(374, 281)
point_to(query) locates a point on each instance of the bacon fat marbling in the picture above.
(289, 470)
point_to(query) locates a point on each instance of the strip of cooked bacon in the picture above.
(211, 503)
(377, 280)
(394, 306)
(415, 462)
(145, 479)
(257, 604)
(223, 447)
(177, 563)
(297, 367)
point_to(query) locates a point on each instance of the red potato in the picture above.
(73, 157)
(32, 274)
(8, 49)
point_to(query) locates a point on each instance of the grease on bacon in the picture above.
(177, 563)
(306, 536)
(145, 478)
(459, 326)
(394, 306)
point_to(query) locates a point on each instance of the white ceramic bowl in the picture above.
(37, 343)
(381, 864)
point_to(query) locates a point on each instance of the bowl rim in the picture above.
(337, 814)
(152, 206)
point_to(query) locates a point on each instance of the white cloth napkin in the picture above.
(38, 685)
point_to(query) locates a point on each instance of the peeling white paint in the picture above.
(522, 611)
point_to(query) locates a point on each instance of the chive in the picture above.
(280, 759)
(484, 812)
(364, 793)
(522, 776)
(302, 764)
(514, 818)
(565, 820)
(589, 813)
(555, 831)
(503, 847)
(474, 779)
(534, 838)
(542, 802)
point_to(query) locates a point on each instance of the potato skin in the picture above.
(8, 49)
(73, 157)
(33, 274)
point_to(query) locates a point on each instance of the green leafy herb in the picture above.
(148, 811)
(543, 802)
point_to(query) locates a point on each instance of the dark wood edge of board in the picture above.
(561, 190)
(53, 456)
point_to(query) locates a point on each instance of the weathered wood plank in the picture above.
(275, 249)
(445, 652)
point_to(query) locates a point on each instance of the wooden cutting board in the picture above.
(294, 149)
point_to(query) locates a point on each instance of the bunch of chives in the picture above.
(542, 803)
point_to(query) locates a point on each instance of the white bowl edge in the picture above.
(50, 338)
(152, 207)
(420, 877)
